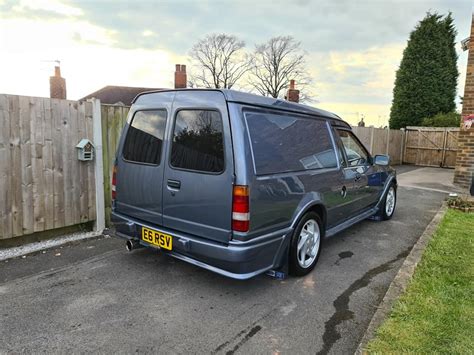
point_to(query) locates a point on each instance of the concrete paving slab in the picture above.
(434, 179)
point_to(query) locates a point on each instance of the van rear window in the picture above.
(284, 143)
(145, 137)
(198, 141)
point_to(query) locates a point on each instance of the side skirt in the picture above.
(351, 221)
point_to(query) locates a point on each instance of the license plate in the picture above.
(156, 238)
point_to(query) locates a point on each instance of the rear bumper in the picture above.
(238, 260)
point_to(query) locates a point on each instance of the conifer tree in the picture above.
(426, 80)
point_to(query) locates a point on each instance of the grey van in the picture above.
(242, 184)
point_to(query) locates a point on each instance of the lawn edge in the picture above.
(402, 279)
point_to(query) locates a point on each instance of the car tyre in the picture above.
(305, 245)
(389, 202)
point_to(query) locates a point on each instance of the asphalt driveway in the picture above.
(95, 296)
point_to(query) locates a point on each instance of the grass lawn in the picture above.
(436, 314)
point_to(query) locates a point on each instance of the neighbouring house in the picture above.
(117, 95)
(464, 171)
(124, 95)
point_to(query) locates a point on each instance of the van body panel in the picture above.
(140, 186)
(202, 205)
(277, 200)
(239, 260)
(194, 204)
(243, 167)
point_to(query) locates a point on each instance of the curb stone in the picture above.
(401, 280)
(26, 249)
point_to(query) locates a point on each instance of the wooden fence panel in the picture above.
(395, 146)
(26, 171)
(382, 141)
(5, 169)
(48, 172)
(114, 118)
(379, 141)
(42, 183)
(58, 177)
(364, 134)
(37, 163)
(15, 163)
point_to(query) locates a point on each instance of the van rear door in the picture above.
(140, 163)
(198, 177)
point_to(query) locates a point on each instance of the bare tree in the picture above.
(275, 63)
(219, 61)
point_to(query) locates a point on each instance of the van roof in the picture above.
(258, 100)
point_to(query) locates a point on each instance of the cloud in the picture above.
(354, 47)
(88, 59)
(320, 25)
(54, 6)
(357, 76)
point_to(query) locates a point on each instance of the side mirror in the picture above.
(383, 160)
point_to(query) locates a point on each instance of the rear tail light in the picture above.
(114, 182)
(240, 209)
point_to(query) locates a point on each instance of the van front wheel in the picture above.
(305, 244)
(390, 200)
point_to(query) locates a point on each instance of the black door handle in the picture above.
(175, 184)
(357, 177)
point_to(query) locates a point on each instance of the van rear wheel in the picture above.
(305, 245)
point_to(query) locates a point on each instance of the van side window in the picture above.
(284, 143)
(355, 152)
(198, 141)
(145, 137)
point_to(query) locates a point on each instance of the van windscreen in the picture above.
(284, 143)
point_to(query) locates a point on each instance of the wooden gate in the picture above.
(431, 146)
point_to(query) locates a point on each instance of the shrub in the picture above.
(451, 119)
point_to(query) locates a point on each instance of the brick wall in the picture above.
(465, 157)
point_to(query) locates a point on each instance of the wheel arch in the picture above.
(313, 206)
(391, 180)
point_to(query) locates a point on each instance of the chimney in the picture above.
(57, 85)
(180, 77)
(293, 94)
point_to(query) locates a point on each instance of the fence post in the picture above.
(99, 224)
(404, 144)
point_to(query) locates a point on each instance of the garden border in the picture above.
(402, 279)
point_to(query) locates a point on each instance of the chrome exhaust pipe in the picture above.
(132, 244)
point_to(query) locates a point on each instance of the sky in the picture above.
(353, 47)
